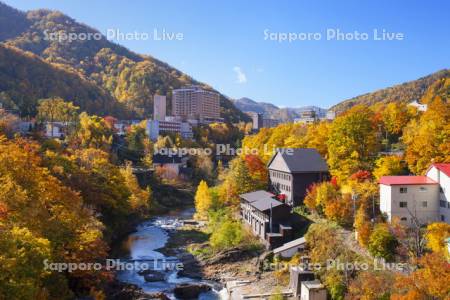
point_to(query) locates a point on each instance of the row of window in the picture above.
(405, 219)
(404, 204)
(285, 187)
(443, 204)
(280, 175)
(404, 190)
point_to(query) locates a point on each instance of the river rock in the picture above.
(123, 291)
(191, 267)
(152, 275)
(190, 291)
(145, 272)
(157, 295)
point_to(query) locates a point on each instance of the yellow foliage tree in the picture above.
(203, 200)
(139, 199)
(427, 139)
(389, 165)
(436, 235)
(317, 137)
(395, 117)
(352, 142)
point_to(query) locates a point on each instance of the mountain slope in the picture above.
(405, 92)
(285, 114)
(25, 78)
(13, 20)
(130, 78)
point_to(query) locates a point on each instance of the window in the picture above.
(442, 218)
(442, 203)
(403, 190)
(404, 219)
(441, 190)
(423, 189)
(424, 204)
(403, 204)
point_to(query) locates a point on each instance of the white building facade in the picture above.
(423, 197)
(155, 128)
(441, 174)
(159, 107)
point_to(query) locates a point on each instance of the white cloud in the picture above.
(241, 77)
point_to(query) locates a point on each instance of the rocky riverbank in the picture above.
(149, 245)
(125, 291)
(231, 265)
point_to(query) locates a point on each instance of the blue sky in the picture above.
(224, 43)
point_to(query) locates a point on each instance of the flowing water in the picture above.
(142, 246)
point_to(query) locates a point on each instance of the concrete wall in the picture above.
(288, 253)
(385, 200)
(313, 294)
(415, 197)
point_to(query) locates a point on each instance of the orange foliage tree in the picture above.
(429, 281)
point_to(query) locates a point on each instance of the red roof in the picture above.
(444, 168)
(399, 180)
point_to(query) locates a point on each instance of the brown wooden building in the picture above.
(293, 170)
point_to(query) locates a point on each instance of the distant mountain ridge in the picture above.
(284, 114)
(405, 92)
(127, 78)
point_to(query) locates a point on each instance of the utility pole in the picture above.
(354, 197)
(373, 209)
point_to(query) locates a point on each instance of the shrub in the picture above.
(382, 243)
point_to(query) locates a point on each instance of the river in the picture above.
(142, 247)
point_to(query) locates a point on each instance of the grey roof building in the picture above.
(267, 217)
(293, 170)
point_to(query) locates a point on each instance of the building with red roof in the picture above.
(426, 197)
(408, 180)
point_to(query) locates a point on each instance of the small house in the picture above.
(171, 165)
(291, 248)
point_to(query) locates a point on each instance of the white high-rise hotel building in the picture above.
(159, 107)
(193, 102)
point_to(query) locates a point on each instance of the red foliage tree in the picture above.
(361, 175)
